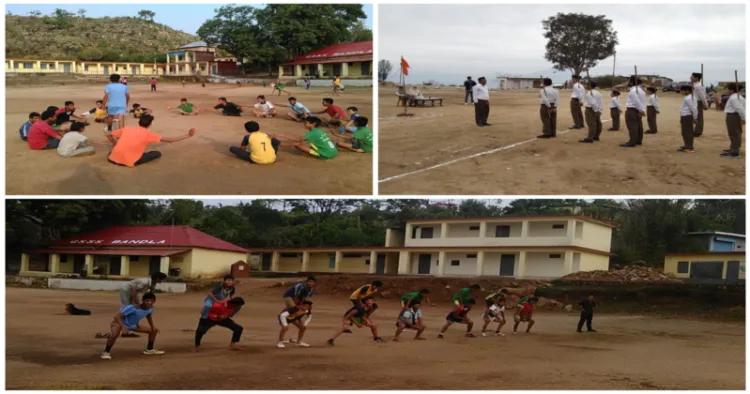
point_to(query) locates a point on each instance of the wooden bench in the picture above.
(405, 99)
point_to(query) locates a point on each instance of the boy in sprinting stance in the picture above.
(358, 320)
(264, 108)
(359, 312)
(320, 144)
(300, 292)
(615, 111)
(300, 317)
(278, 87)
(24, 130)
(299, 111)
(460, 315)
(688, 119)
(652, 109)
(524, 313)
(411, 319)
(257, 147)
(410, 298)
(735, 119)
(350, 127)
(464, 294)
(495, 298)
(496, 314)
(128, 320)
(186, 108)
(139, 111)
(360, 141)
(221, 314)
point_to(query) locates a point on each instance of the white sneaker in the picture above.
(105, 356)
(152, 352)
(514, 333)
(484, 334)
(303, 344)
(280, 345)
(499, 334)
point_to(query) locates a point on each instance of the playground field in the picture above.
(49, 350)
(197, 166)
(506, 159)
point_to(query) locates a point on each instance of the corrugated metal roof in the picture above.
(149, 236)
(339, 50)
(345, 59)
(196, 44)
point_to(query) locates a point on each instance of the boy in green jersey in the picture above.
(361, 140)
(186, 108)
(318, 143)
(464, 294)
(410, 298)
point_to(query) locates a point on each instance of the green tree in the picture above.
(577, 42)
(235, 29)
(35, 13)
(146, 15)
(91, 54)
(81, 13)
(384, 69)
(359, 32)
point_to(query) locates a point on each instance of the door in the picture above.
(154, 264)
(115, 264)
(507, 265)
(106, 70)
(723, 245)
(332, 261)
(424, 264)
(66, 67)
(79, 261)
(337, 69)
(733, 272)
(265, 263)
(134, 70)
(215, 70)
(380, 267)
(365, 68)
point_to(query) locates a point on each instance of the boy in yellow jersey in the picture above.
(139, 111)
(99, 112)
(364, 292)
(320, 144)
(360, 317)
(299, 316)
(262, 148)
(361, 140)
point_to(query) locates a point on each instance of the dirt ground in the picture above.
(556, 166)
(197, 166)
(628, 352)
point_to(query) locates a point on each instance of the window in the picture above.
(502, 231)
(558, 226)
(367, 262)
(683, 267)
(44, 66)
(474, 228)
(28, 65)
(288, 255)
(134, 258)
(455, 263)
(354, 255)
(427, 232)
(414, 232)
(471, 256)
(52, 66)
(332, 261)
(555, 256)
(85, 67)
(63, 258)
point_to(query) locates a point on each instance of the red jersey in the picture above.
(526, 308)
(336, 112)
(219, 311)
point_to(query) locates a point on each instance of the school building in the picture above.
(707, 267)
(347, 60)
(510, 83)
(507, 246)
(135, 251)
(27, 66)
(199, 58)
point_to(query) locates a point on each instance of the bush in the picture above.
(91, 54)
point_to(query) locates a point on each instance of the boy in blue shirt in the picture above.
(351, 127)
(116, 100)
(411, 319)
(128, 320)
(299, 111)
(24, 130)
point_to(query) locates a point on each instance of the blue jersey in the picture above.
(300, 290)
(117, 92)
(299, 108)
(132, 315)
(24, 130)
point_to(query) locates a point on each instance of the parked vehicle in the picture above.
(669, 88)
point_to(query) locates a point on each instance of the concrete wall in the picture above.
(467, 266)
(391, 263)
(544, 229)
(670, 263)
(593, 262)
(491, 265)
(515, 228)
(319, 262)
(394, 238)
(213, 262)
(107, 285)
(594, 236)
(462, 230)
(356, 264)
(290, 264)
(540, 265)
(415, 263)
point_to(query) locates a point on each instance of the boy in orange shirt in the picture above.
(129, 143)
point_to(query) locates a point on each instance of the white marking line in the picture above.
(502, 148)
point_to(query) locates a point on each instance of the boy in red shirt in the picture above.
(42, 135)
(460, 315)
(221, 314)
(336, 114)
(524, 313)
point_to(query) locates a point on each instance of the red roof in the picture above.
(346, 59)
(115, 252)
(149, 236)
(341, 51)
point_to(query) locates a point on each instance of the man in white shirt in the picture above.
(549, 98)
(652, 109)
(576, 102)
(264, 108)
(615, 111)
(699, 95)
(688, 118)
(481, 102)
(636, 108)
(735, 110)
(594, 107)
(73, 143)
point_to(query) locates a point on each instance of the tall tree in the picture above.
(146, 15)
(577, 42)
(81, 13)
(359, 32)
(384, 69)
(235, 30)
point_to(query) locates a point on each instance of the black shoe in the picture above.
(487, 124)
(639, 143)
(611, 129)
(554, 135)
(579, 331)
(591, 330)
(726, 150)
(543, 136)
(480, 125)
(586, 141)
(649, 132)
(697, 135)
(628, 145)
(347, 331)
(379, 340)
(730, 155)
(596, 138)
(330, 342)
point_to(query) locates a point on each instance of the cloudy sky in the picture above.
(448, 42)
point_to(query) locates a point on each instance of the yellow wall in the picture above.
(319, 263)
(67, 268)
(290, 264)
(670, 262)
(94, 68)
(593, 262)
(207, 261)
(356, 264)
(595, 236)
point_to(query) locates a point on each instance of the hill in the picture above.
(77, 38)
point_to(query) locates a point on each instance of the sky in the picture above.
(485, 40)
(185, 17)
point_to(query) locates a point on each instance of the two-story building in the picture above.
(199, 58)
(508, 246)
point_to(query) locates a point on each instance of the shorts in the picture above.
(125, 299)
(116, 110)
(454, 319)
(289, 302)
(356, 147)
(279, 87)
(489, 303)
(358, 306)
(519, 319)
(315, 153)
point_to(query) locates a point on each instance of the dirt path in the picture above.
(438, 135)
(629, 352)
(198, 166)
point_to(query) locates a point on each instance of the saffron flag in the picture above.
(404, 66)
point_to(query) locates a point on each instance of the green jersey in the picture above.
(463, 295)
(410, 296)
(321, 143)
(364, 136)
(187, 107)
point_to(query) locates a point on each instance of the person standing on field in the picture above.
(636, 108)
(481, 102)
(587, 313)
(735, 115)
(549, 98)
(699, 95)
(576, 102)
(469, 87)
